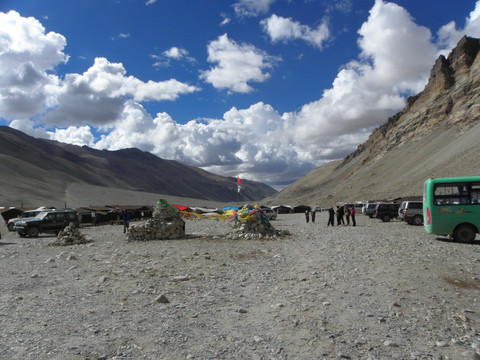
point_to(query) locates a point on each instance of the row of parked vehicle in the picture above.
(409, 211)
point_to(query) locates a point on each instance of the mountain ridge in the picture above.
(38, 172)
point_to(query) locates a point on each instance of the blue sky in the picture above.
(264, 89)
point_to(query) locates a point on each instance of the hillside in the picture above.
(37, 172)
(436, 135)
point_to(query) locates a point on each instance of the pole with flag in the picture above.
(239, 185)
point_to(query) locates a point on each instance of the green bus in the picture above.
(451, 206)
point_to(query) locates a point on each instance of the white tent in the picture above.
(3, 227)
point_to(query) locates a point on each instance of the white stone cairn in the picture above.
(253, 224)
(166, 223)
(71, 235)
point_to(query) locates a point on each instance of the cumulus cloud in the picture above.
(97, 96)
(248, 141)
(27, 53)
(238, 64)
(252, 7)
(174, 53)
(286, 29)
(73, 135)
(449, 35)
(395, 61)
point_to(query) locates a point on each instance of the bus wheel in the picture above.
(464, 233)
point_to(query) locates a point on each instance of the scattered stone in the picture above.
(162, 299)
(181, 278)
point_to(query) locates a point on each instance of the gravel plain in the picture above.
(374, 291)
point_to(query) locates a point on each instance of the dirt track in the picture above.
(375, 291)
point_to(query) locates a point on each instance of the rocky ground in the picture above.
(375, 291)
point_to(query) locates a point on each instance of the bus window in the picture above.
(475, 193)
(450, 194)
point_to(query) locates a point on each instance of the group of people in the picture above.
(341, 213)
(307, 216)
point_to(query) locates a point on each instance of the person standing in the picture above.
(347, 214)
(313, 215)
(340, 213)
(331, 216)
(307, 216)
(352, 215)
(126, 221)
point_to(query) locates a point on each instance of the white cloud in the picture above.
(252, 7)
(396, 58)
(238, 64)
(248, 141)
(174, 53)
(26, 54)
(286, 29)
(97, 96)
(225, 20)
(449, 35)
(73, 135)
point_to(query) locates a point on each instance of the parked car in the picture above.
(48, 221)
(386, 211)
(25, 214)
(368, 209)
(413, 212)
(269, 213)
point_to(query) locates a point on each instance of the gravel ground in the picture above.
(375, 291)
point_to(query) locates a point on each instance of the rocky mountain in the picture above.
(36, 172)
(437, 134)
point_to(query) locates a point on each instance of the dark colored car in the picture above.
(386, 211)
(49, 221)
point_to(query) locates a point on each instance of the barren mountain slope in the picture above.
(36, 172)
(436, 135)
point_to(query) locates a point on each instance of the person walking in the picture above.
(331, 216)
(313, 215)
(307, 216)
(352, 215)
(347, 214)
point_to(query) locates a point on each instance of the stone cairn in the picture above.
(71, 235)
(166, 223)
(253, 224)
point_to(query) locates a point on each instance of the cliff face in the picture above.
(436, 134)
